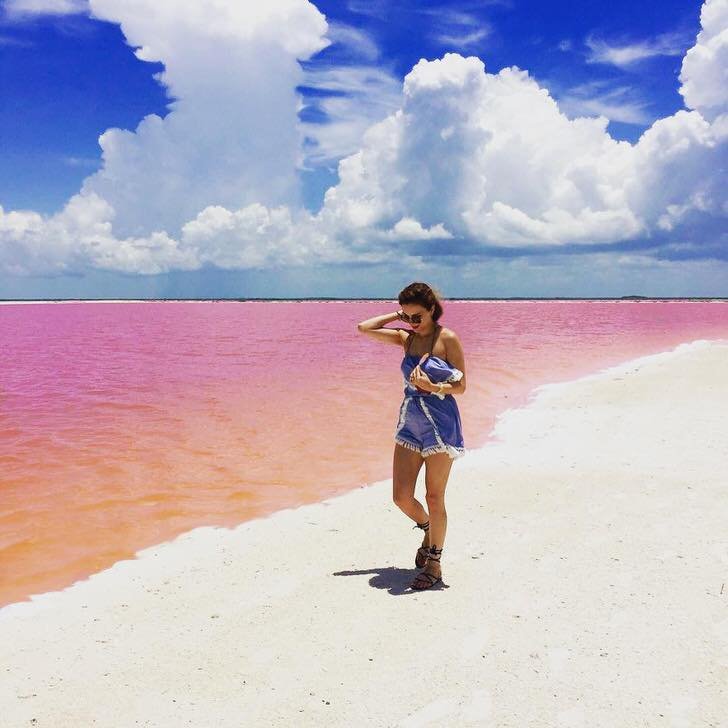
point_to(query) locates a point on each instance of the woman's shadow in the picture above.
(395, 580)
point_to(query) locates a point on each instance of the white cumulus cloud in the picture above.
(491, 158)
(468, 160)
(231, 137)
(410, 229)
(704, 72)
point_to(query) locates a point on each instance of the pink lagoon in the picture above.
(123, 425)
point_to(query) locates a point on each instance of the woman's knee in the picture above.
(404, 504)
(435, 500)
(403, 488)
(402, 497)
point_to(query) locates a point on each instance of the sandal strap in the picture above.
(424, 526)
(424, 575)
(434, 554)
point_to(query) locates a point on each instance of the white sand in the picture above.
(586, 566)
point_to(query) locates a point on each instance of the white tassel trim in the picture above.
(407, 444)
(442, 446)
(453, 452)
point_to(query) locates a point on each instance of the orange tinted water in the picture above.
(125, 424)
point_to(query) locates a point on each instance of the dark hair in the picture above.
(423, 294)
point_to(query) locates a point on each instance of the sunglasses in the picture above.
(414, 319)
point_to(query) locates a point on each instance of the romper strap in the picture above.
(409, 341)
(434, 336)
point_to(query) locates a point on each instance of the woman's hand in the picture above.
(420, 379)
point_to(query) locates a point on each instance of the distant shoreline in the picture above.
(5, 302)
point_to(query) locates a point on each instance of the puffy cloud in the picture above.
(231, 137)
(704, 72)
(678, 183)
(410, 229)
(256, 236)
(494, 160)
(491, 158)
(470, 161)
(80, 237)
(30, 243)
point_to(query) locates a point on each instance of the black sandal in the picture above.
(421, 555)
(432, 555)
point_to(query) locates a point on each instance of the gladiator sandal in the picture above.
(421, 555)
(424, 580)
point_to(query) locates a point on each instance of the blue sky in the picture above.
(68, 75)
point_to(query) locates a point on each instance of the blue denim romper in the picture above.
(429, 422)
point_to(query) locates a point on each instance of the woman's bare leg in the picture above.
(437, 472)
(405, 468)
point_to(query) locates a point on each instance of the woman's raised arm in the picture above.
(374, 327)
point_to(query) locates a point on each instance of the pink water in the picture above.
(125, 424)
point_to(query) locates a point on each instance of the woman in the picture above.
(429, 427)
